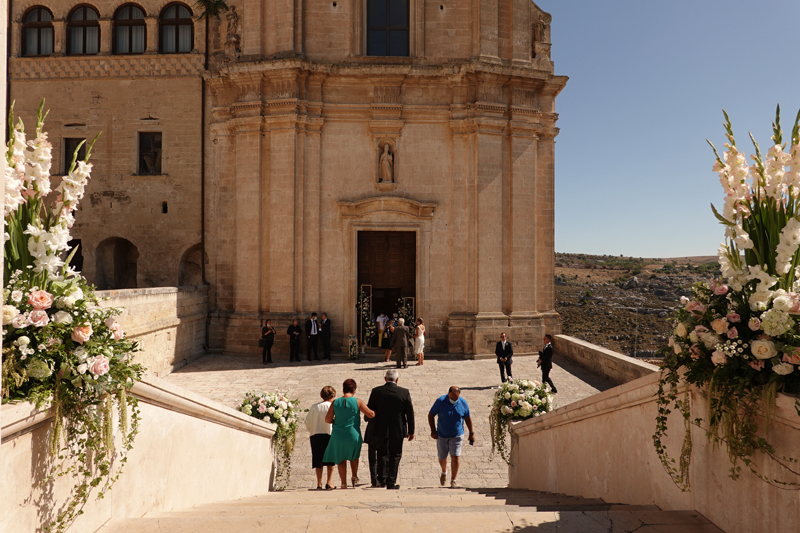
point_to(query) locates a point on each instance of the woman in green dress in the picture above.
(346, 441)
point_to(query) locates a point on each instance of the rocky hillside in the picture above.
(623, 303)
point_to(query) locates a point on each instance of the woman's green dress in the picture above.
(346, 441)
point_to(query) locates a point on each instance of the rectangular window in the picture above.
(149, 153)
(387, 28)
(69, 152)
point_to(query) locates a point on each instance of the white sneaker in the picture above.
(453, 484)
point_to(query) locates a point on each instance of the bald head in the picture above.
(454, 393)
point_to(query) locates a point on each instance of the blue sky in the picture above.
(647, 84)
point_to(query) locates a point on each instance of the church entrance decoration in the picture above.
(276, 408)
(519, 399)
(738, 338)
(60, 348)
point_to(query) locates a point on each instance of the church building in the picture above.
(292, 154)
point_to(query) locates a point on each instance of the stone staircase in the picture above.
(417, 510)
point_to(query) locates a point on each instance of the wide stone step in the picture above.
(417, 510)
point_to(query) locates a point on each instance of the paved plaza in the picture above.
(227, 378)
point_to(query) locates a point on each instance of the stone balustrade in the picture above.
(189, 451)
(602, 361)
(169, 323)
(602, 447)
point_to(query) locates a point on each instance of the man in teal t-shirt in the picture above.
(448, 433)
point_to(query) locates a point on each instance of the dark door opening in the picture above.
(387, 260)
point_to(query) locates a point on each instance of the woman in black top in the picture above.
(268, 336)
(294, 333)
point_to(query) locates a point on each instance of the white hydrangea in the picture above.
(776, 322)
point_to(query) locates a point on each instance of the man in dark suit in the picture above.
(546, 361)
(393, 422)
(400, 338)
(312, 336)
(325, 334)
(504, 352)
(294, 333)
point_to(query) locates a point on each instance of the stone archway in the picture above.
(190, 271)
(116, 264)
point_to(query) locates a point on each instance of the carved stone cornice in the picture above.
(394, 204)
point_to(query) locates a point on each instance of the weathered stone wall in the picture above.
(615, 366)
(168, 468)
(602, 447)
(169, 323)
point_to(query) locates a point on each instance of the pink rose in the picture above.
(262, 408)
(754, 324)
(733, 333)
(20, 321)
(695, 352)
(793, 359)
(733, 318)
(696, 307)
(99, 366)
(39, 318)
(118, 333)
(40, 299)
(720, 289)
(82, 334)
(757, 365)
(513, 403)
(718, 358)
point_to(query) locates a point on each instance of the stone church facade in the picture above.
(293, 153)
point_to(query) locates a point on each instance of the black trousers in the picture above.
(505, 368)
(326, 348)
(312, 343)
(266, 353)
(372, 457)
(546, 376)
(390, 450)
(294, 349)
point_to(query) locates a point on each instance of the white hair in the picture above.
(392, 375)
(401, 321)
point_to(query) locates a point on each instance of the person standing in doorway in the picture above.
(400, 340)
(546, 361)
(268, 337)
(448, 431)
(504, 353)
(393, 423)
(325, 334)
(382, 320)
(419, 341)
(312, 337)
(388, 338)
(294, 333)
(320, 432)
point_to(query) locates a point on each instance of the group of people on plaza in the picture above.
(335, 429)
(316, 330)
(395, 336)
(505, 354)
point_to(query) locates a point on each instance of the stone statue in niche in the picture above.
(232, 40)
(386, 165)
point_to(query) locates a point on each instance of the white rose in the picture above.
(783, 369)
(782, 302)
(9, 312)
(80, 351)
(710, 340)
(507, 396)
(719, 326)
(677, 348)
(763, 349)
(282, 405)
(16, 296)
(270, 410)
(680, 330)
(693, 337)
(62, 317)
(82, 368)
(23, 341)
(684, 300)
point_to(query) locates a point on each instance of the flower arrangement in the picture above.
(518, 399)
(352, 347)
(738, 338)
(405, 310)
(368, 327)
(276, 408)
(59, 346)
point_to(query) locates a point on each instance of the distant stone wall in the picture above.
(169, 323)
(613, 365)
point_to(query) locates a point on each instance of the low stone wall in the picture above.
(169, 323)
(615, 366)
(602, 447)
(189, 451)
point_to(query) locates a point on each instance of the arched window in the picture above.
(130, 31)
(387, 28)
(37, 32)
(83, 31)
(176, 29)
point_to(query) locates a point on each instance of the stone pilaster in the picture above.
(247, 214)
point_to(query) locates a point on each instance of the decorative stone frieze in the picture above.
(130, 66)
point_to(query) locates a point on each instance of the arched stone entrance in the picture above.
(116, 264)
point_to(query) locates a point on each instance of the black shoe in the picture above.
(555, 391)
(328, 487)
(392, 487)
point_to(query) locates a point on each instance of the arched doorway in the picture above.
(191, 267)
(116, 260)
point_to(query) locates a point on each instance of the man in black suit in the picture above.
(325, 334)
(294, 333)
(393, 422)
(504, 352)
(400, 338)
(546, 361)
(312, 336)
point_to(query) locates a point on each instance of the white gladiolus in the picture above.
(787, 246)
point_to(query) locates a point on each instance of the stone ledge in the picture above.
(613, 365)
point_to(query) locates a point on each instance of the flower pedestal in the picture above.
(352, 348)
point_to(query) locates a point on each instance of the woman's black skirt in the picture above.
(318, 444)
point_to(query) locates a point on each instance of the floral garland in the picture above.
(519, 399)
(738, 338)
(368, 326)
(60, 348)
(405, 310)
(276, 408)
